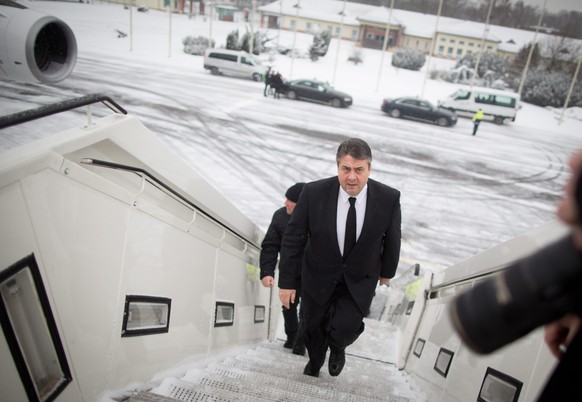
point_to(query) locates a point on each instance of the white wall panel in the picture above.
(81, 236)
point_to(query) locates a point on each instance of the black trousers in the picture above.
(335, 324)
(291, 320)
(475, 126)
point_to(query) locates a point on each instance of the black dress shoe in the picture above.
(289, 343)
(299, 347)
(309, 370)
(337, 359)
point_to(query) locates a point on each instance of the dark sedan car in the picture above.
(419, 109)
(316, 91)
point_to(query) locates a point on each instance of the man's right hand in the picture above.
(268, 281)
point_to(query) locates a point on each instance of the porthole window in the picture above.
(499, 387)
(409, 307)
(259, 314)
(31, 332)
(146, 315)
(419, 347)
(224, 314)
(443, 362)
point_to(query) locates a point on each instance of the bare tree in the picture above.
(559, 52)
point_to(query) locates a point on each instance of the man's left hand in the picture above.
(384, 281)
(287, 297)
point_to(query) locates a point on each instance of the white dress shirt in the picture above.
(343, 205)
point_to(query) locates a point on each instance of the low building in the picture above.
(366, 25)
(314, 16)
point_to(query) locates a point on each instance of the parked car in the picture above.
(316, 91)
(418, 109)
(234, 62)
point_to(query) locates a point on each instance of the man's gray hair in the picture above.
(356, 148)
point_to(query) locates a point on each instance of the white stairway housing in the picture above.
(124, 275)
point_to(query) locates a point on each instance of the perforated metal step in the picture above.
(269, 372)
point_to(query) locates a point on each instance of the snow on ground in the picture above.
(528, 154)
(147, 70)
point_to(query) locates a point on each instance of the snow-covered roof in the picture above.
(414, 23)
(326, 10)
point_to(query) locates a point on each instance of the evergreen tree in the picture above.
(232, 41)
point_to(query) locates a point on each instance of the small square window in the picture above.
(259, 314)
(498, 386)
(31, 332)
(419, 347)
(224, 314)
(409, 307)
(145, 315)
(443, 362)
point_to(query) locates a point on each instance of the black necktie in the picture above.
(350, 238)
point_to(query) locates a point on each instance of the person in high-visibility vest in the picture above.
(477, 117)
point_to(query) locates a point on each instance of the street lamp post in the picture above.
(130, 25)
(210, 7)
(252, 38)
(280, 21)
(339, 40)
(570, 90)
(431, 50)
(170, 28)
(294, 38)
(386, 35)
(485, 31)
(531, 50)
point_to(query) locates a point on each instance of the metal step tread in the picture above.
(269, 372)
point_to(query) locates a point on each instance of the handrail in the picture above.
(140, 171)
(433, 292)
(48, 110)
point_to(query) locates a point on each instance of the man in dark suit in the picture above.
(344, 257)
(270, 248)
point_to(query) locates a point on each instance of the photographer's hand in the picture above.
(568, 209)
(560, 333)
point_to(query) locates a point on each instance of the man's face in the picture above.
(290, 205)
(353, 174)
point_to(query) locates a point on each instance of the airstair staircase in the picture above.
(268, 372)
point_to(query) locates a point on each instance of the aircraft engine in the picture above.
(34, 47)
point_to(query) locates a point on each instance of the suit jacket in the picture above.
(312, 228)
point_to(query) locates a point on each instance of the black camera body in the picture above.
(534, 291)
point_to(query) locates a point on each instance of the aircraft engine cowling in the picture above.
(35, 47)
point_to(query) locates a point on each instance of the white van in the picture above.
(497, 105)
(234, 62)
